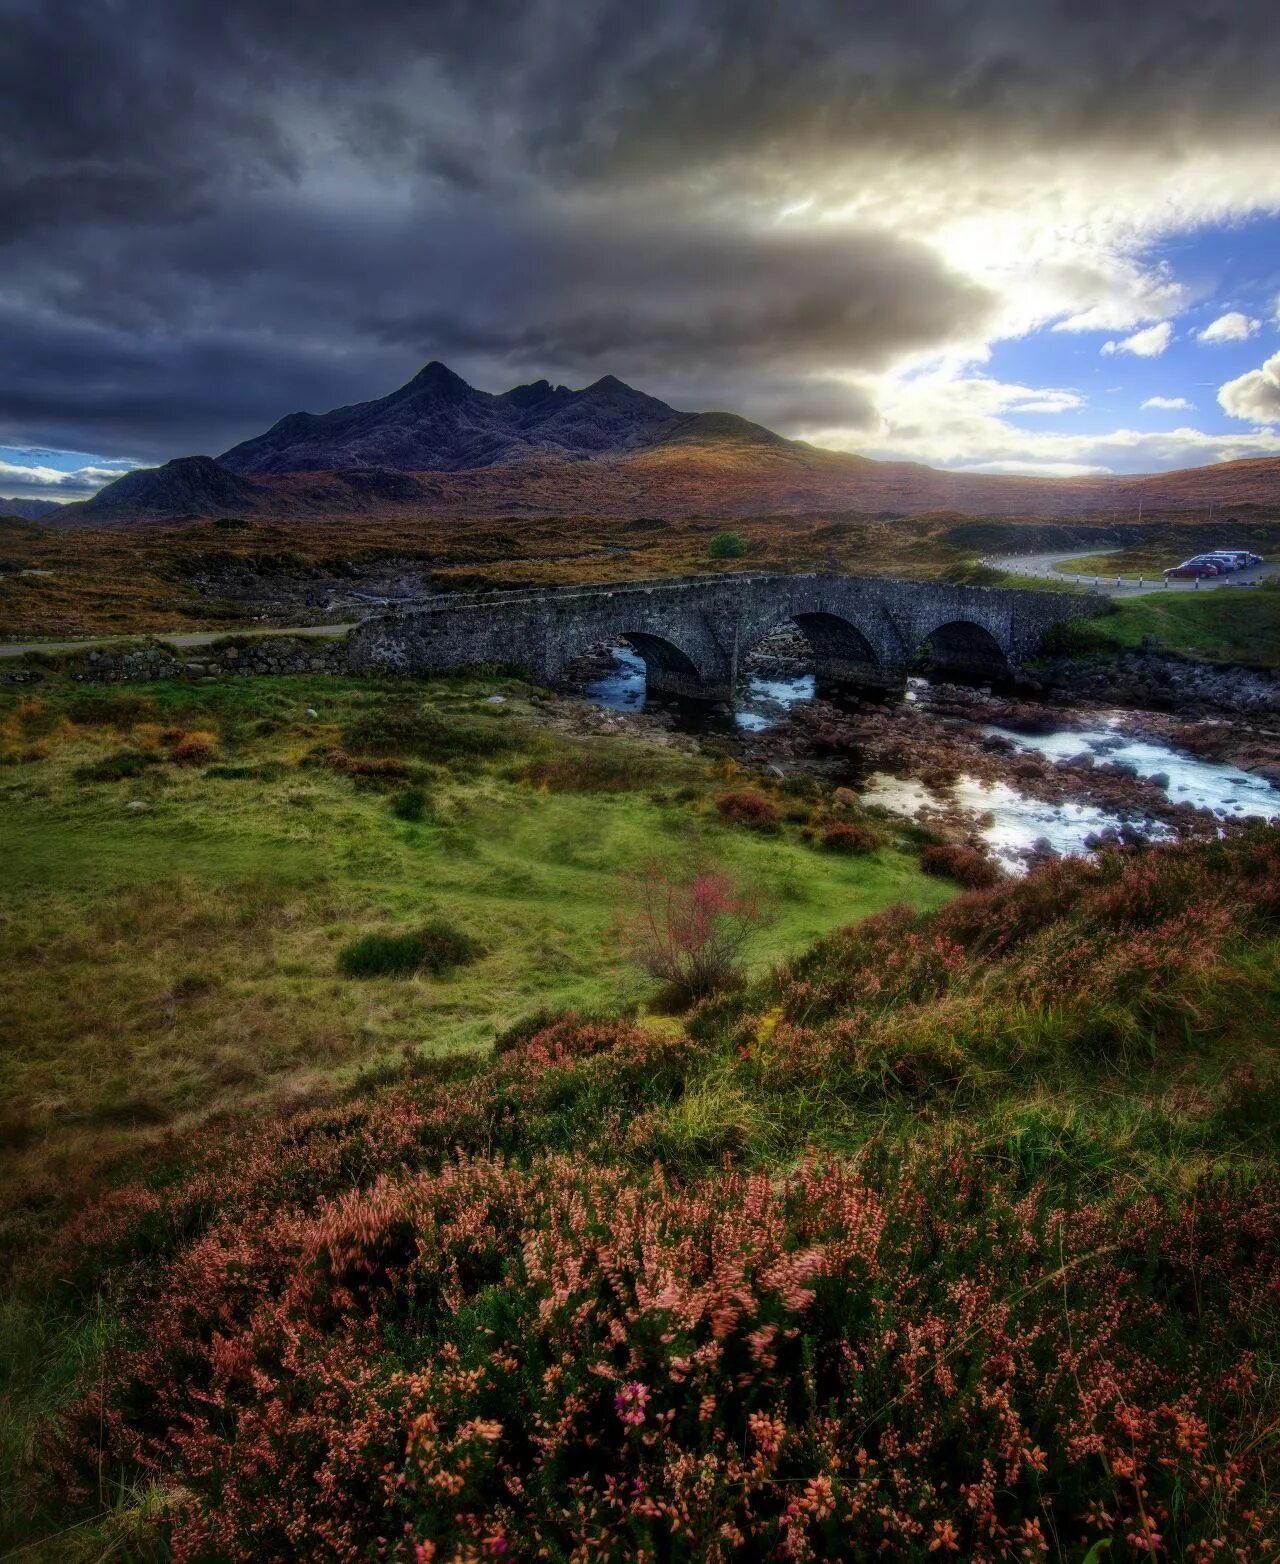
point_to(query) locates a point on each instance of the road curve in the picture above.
(1043, 567)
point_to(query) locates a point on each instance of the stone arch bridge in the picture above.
(694, 632)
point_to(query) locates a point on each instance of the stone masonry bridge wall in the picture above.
(694, 632)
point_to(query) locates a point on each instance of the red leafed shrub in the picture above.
(691, 933)
(752, 810)
(571, 1038)
(363, 766)
(195, 749)
(965, 865)
(843, 837)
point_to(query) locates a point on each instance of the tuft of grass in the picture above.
(119, 767)
(436, 947)
(412, 804)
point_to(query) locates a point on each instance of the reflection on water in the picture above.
(763, 702)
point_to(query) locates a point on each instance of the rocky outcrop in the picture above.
(1159, 682)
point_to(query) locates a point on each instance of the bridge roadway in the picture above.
(693, 632)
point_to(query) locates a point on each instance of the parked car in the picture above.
(1191, 570)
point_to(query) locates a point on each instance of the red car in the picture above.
(1191, 572)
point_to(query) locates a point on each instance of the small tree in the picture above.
(727, 545)
(690, 933)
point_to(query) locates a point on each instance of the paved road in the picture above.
(179, 639)
(1043, 567)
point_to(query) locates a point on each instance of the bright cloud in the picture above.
(971, 423)
(1255, 395)
(1231, 327)
(1144, 344)
(1170, 403)
(38, 479)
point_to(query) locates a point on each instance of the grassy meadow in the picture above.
(171, 937)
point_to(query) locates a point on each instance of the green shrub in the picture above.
(435, 947)
(117, 768)
(411, 804)
(727, 545)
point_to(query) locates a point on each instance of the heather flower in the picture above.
(630, 1403)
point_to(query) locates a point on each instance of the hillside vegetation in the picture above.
(960, 1235)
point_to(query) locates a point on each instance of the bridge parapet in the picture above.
(694, 632)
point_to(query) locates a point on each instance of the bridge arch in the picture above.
(841, 652)
(668, 668)
(964, 649)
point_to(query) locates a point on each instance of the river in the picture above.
(1013, 824)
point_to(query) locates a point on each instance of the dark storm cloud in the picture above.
(213, 213)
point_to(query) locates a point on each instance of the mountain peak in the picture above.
(436, 376)
(618, 390)
(439, 423)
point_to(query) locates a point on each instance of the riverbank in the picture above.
(1159, 681)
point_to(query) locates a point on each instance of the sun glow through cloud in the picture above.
(932, 243)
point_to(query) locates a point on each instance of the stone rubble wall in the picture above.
(234, 658)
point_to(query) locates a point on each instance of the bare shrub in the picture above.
(690, 933)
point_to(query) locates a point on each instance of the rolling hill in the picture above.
(29, 510)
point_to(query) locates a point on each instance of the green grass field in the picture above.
(1216, 626)
(178, 959)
